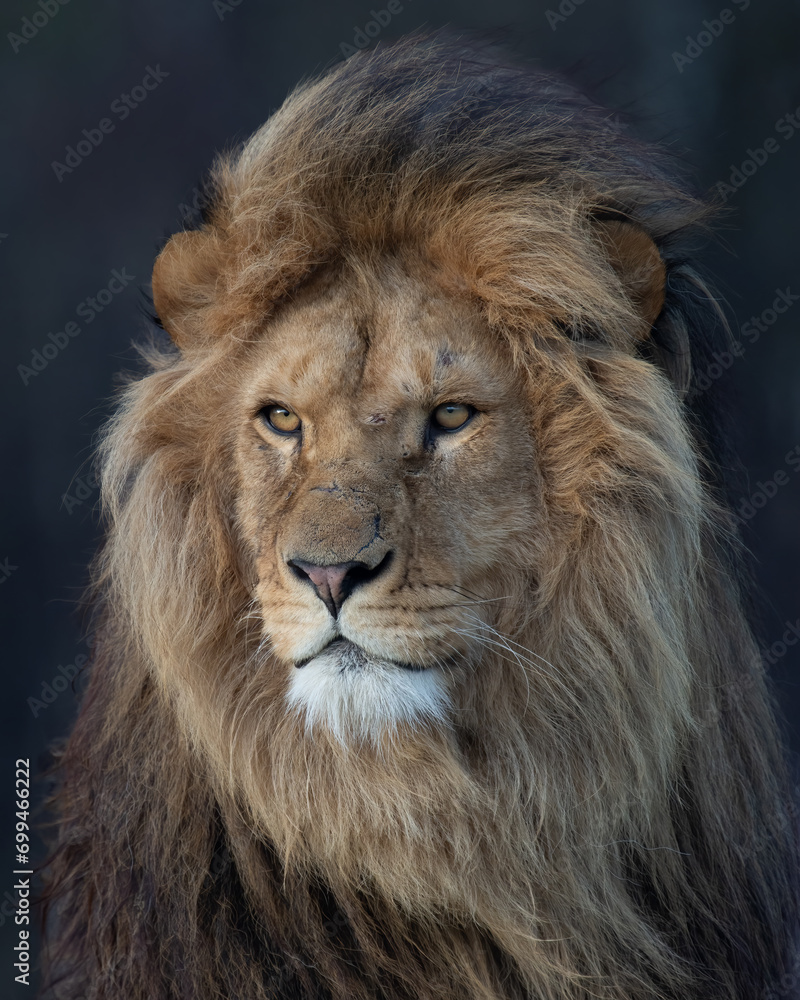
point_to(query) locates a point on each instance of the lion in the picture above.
(421, 668)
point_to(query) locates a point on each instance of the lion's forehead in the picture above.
(371, 356)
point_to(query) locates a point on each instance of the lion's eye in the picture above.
(281, 419)
(451, 416)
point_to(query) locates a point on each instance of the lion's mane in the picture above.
(609, 819)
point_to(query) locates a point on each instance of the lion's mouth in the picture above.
(355, 695)
(353, 657)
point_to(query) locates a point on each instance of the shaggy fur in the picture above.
(548, 766)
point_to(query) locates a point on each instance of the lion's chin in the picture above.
(357, 696)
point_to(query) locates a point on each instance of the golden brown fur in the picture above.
(596, 805)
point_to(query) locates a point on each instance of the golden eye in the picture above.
(281, 419)
(451, 416)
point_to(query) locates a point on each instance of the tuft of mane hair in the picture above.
(620, 825)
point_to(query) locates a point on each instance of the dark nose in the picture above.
(334, 584)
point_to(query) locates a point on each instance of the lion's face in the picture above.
(387, 486)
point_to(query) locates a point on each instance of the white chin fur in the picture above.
(357, 697)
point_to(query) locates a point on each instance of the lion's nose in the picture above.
(334, 584)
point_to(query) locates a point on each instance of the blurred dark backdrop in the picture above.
(146, 92)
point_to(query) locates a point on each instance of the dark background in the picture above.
(224, 68)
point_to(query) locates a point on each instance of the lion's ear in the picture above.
(184, 282)
(638, 264)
